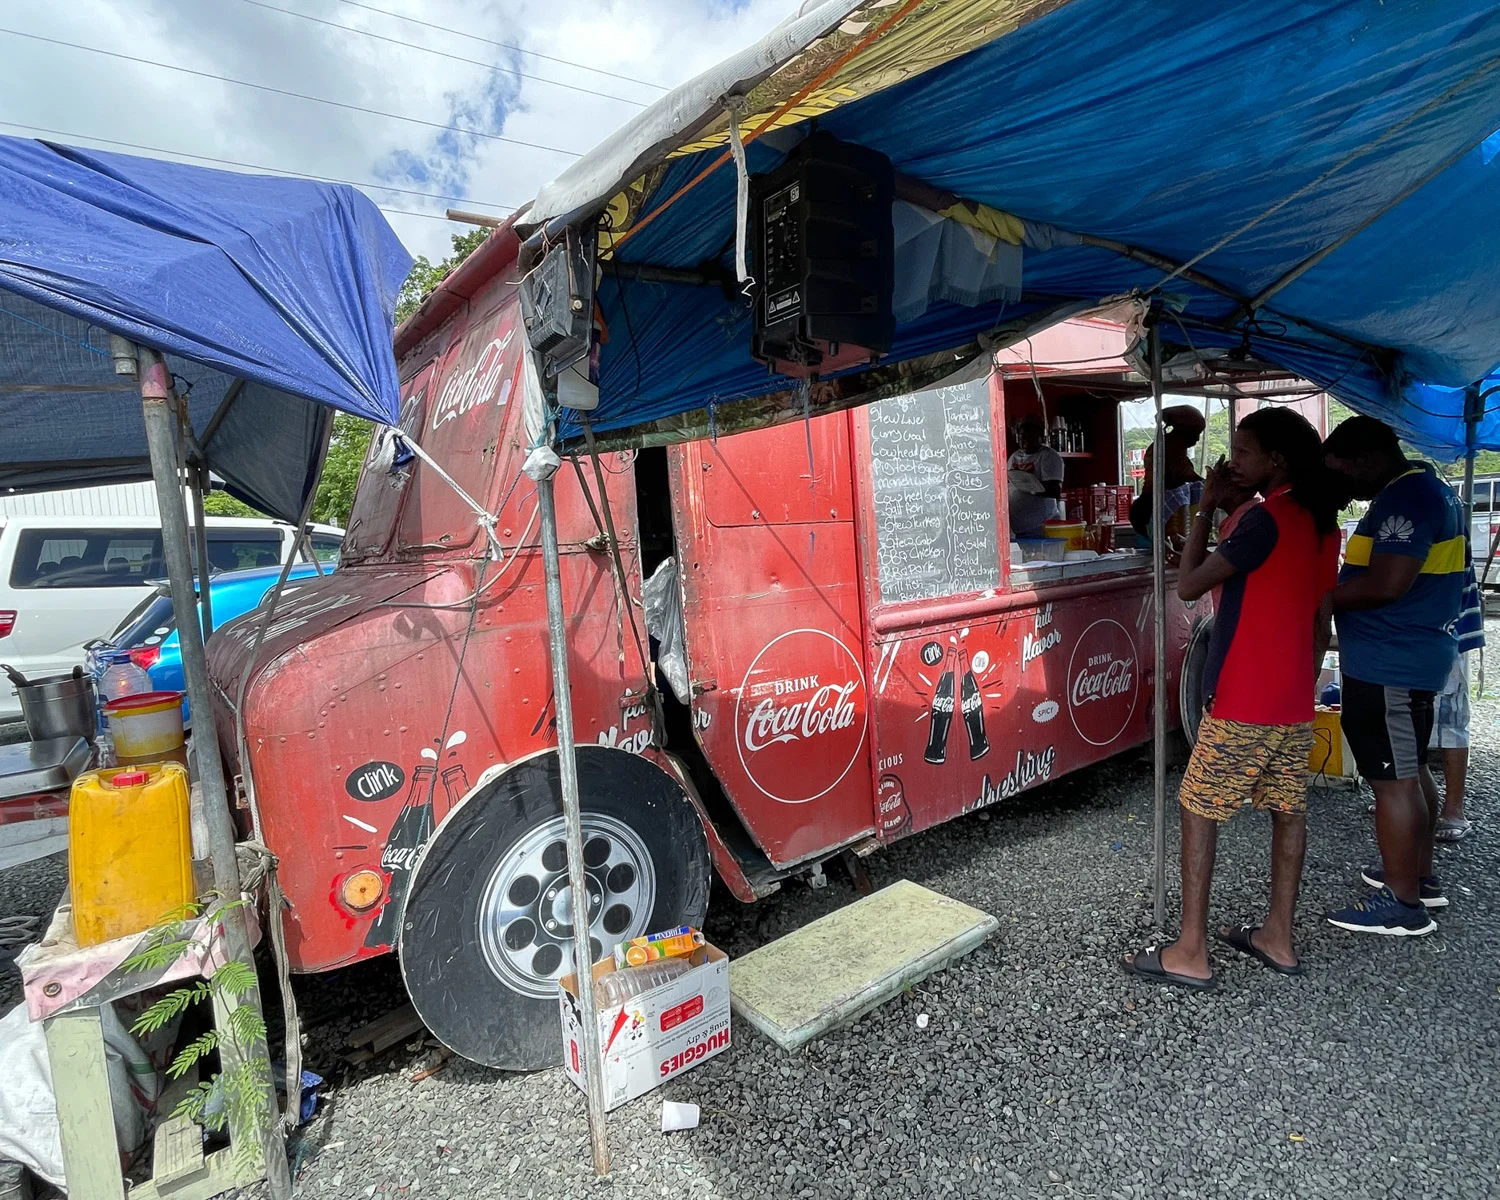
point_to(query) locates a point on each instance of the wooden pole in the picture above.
(156, 404)
(557, 637)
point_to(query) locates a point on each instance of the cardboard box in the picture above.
(655, 1036)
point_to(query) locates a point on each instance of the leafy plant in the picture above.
(239, 1093)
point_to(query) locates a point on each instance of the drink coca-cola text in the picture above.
(1101, 677)
(829, 708)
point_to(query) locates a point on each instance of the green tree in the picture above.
(426, 275)
(347, 448)
(222, 504)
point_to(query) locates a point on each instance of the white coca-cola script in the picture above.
(774, 720)
(1100, 682)
(477, 385)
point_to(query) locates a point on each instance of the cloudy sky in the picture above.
(506, 94)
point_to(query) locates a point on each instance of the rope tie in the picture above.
(485, 519)
(737, 107)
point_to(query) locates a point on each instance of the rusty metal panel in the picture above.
(775, 632)
(385, 685)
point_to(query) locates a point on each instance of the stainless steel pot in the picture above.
(59, 706)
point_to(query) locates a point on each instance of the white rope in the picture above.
(486, 519)
(736, 107)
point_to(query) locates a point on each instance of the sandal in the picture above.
(1452, 829)
(1147, 965)
(1241, 939)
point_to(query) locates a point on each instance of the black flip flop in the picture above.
(1240, 939)
(1146, 964)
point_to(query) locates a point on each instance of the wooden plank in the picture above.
(385, 1031)
(831, 972)
(80, 1082)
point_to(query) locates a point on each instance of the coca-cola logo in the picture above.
(465, 389)
(1104, 682)
(800, 716)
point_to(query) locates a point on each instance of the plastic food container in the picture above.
(130, 858)
(1071, 533)
(147, 728)
(1041, 549)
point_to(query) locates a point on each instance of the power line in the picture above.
(473, 62)
(474, 37)
(262, 87)
(230, 162)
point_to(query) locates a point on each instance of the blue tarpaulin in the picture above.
(272, 300)
(1346, 144)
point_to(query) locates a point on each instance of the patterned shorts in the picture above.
(1235, 764)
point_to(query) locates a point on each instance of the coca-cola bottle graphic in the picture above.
(456, 785)
(942, 711)
(408, 835)
(971, 702)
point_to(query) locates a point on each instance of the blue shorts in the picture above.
(1450, 726)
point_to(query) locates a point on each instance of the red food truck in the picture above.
(868, 655)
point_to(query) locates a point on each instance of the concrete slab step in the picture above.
(831, 972)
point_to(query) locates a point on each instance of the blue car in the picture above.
(149, 632)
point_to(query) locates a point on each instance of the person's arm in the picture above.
(1200, 572)
(1049, 469)
(1322, 633)
(1244, 551)
(1387, 579)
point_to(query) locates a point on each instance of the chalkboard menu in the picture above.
(933, 464)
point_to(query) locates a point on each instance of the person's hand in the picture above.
(1215, 486)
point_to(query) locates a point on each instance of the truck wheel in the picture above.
(1190, 686)
(488, 927)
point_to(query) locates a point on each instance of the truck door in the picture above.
(772, 608)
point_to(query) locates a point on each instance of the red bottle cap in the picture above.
(131, 778)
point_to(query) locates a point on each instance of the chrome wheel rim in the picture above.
(526, 909)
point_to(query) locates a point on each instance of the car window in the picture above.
(326, 547)
(236, 550)
(147, 626)
(83, 558)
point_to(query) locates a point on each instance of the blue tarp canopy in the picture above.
(1336, 152)
(272, 300)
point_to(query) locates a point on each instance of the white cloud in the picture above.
(90, 96)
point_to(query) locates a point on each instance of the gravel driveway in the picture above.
(1043, 1071)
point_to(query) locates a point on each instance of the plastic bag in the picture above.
(663, 603)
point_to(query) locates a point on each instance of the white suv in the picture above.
(67, 580)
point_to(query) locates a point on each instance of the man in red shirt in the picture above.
(1277, 570)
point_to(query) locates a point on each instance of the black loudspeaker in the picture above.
(557, 301)
(824, 258)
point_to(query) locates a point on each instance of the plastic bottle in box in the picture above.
(619, 986)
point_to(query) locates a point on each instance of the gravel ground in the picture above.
(1043, 1071)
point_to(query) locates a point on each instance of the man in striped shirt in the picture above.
(1450, 729)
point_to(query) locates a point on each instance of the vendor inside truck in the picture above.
(1036, 479)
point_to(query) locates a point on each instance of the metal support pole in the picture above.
(557, 637)
(156, 397)
(199, 484)
(1159, 615)
(1473, 411)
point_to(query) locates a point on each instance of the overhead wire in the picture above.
(276, 91)
(474, 37)
(230, 162)
(473, 62)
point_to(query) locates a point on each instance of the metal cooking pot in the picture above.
(59, 706)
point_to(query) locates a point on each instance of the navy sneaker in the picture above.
(1381, 912)
(1429, 889)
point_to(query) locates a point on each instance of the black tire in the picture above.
(1190, 686)
(456, 947)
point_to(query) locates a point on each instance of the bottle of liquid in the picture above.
(121, 677)
(620, 986)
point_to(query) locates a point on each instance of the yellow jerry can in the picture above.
(130, 850)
